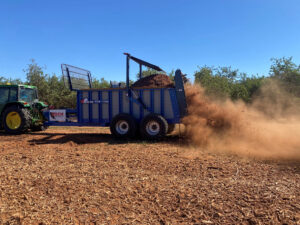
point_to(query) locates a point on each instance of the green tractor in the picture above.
(20, 109)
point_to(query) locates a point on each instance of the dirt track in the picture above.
(82, 175)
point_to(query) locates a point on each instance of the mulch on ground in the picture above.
(84, 176)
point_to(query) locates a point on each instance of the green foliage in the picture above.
(287, 73)
(100, 84)
(58, 95)
(221, 82)
(51, 88)
(224, 82)
(252, 85)
(150, 71)
(36, 77)
(214, 84)
(172, 74)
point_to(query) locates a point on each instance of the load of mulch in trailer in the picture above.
(154, 81)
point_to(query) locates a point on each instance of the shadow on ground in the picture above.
(92, 138)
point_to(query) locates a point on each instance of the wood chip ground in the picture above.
(84, 176)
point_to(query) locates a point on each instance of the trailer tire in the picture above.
(123, 126)
(16, 120)
(153, 127)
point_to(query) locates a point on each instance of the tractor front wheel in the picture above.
(16, 120)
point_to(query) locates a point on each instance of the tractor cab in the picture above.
(21, 93)
(28, 94)
(20, 108)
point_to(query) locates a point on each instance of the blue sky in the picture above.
(173, 34)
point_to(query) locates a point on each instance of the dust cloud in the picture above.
(269, 128)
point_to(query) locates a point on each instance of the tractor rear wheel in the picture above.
(16, 120)
(153, 126)
(123, 126)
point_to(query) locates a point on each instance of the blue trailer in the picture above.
(151, 112)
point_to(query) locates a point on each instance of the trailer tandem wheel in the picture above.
(153, 126)
(123, 126)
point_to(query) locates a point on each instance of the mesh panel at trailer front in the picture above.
(76, 78)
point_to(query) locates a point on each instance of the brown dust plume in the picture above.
(261, 130)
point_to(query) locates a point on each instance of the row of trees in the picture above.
(224, 82)
(220, 82)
